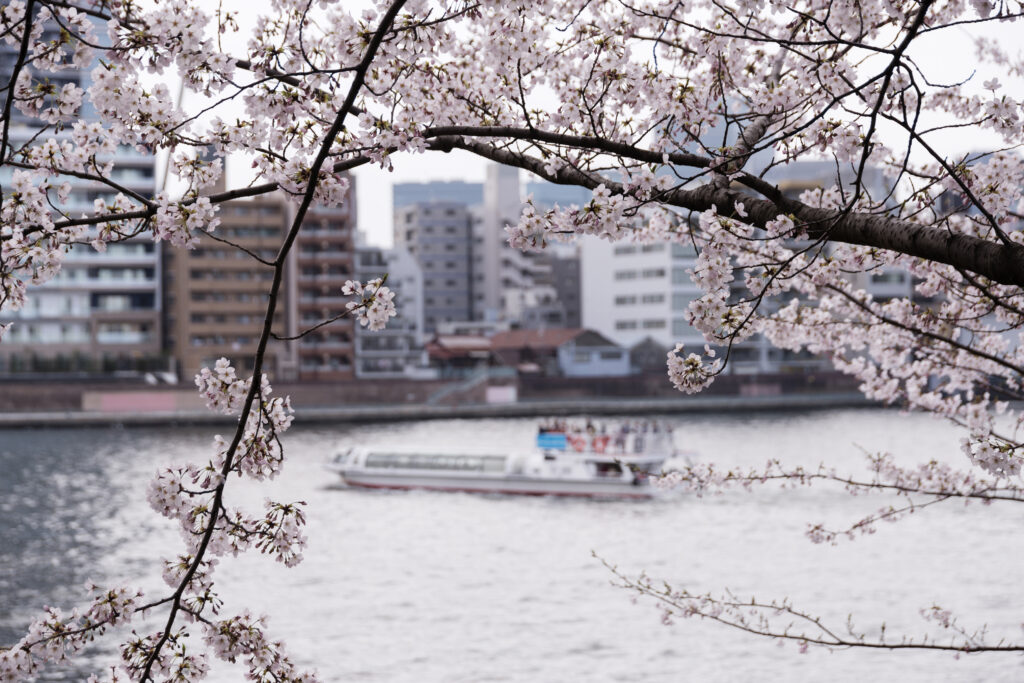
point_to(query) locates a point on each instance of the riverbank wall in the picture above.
(366, 414)
(490, 394)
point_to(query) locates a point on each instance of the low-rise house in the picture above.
(570, 352)
(458, 355)
(649, 355)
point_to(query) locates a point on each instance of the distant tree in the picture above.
(665, 110)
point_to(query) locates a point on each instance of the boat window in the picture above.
(473, 463)
(608, 469)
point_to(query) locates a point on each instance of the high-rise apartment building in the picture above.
(439, 236)
(397, 350)
(216, 294)
(634, 291)
(496, 265)
(101, 313)
(324, 260)
(505, 284)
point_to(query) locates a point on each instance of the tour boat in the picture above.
(565, 462)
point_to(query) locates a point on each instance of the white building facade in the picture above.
(397, 351)
(102, 312)
(634, 291)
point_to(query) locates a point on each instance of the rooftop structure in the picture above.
(457, 191)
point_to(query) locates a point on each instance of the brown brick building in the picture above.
(324, 259)
(216, 294)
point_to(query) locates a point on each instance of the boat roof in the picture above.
(618, 457)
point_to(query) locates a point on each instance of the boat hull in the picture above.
(613, 488)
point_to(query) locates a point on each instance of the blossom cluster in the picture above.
(692, 373)
(376, 304)
(56, 636)
(178, 222)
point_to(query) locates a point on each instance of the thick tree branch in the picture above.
(1001, 263)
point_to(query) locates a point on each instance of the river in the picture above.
(419, 586)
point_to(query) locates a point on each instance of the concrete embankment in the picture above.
(356, 414)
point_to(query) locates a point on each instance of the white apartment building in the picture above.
(397, 351)
(634, 291)
(102, 311)
(631, 292)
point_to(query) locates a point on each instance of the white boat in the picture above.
(561, 465)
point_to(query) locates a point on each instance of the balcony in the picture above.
(123, 337)
(329, 254)
(307, 301)
(307, 348)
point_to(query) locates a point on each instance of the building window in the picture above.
(889, 277)
(625, 325)
(654, 272)
(653, 298)
(625, 275)
(627, 300)
(680, 276)
(625, 249)
(654, 324)
(684, 251)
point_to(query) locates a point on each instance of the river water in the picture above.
(419, 586)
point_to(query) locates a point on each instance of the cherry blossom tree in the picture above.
(665, 110)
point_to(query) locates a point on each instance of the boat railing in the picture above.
(623, 443)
